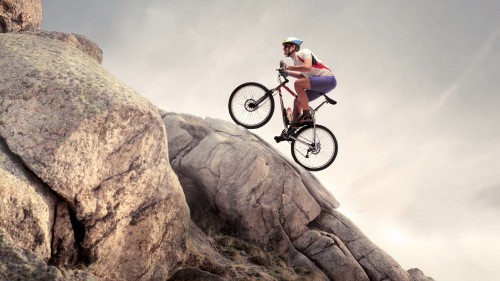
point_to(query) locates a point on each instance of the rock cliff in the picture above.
(235, 183)
(89, 142)
(96, 183)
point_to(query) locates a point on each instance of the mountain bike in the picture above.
(313, 146)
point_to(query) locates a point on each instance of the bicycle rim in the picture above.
(314, 149)
(245, 110)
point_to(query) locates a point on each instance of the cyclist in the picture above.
(313, 79)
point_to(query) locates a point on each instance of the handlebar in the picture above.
(283, 74)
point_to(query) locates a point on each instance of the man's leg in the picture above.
(297, 110)
(301, 85)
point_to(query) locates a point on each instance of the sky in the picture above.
(417, 118)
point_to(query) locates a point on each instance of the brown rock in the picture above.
(20, 264)
(17, 263)
(418, 275)
(331, 255)
(102, 148)
(64, 245)
(26, 205)
(20, 15)
(257, 195)
(80, 42)
(235, 183)
(377, 264)
(194, 274)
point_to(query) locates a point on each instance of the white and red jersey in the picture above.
(318, 68)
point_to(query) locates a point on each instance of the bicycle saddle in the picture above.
(329, 100)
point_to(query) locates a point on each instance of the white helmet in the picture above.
(292, 40)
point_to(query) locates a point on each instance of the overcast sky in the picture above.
(418, 110)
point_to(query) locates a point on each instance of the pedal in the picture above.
(282, 137)
(279, 139)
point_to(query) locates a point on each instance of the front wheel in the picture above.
(314, 147)
(251, 105)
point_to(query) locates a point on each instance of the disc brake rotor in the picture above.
(250, 105)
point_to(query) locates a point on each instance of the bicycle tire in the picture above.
(241, 105)
(319, 157)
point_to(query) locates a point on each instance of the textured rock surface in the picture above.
(377, 264)
(20, 15)
(228, 258)
(21, 264)
(80, 42)
(101, 148)
(257, 195)
(65, 250)
(194, 274)
(26, 205)
(418, 275)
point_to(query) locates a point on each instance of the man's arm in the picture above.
(301, 68)
(295, 74)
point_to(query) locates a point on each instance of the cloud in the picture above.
(488, 198)
(482, 53)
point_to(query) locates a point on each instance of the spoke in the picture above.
(248, 115)
(315, 155)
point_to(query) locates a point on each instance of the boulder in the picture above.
(26, 205)
(17, 263)
(256, 193)
(418, 275)
(377, 264)
(194, 274)
(229, 258)
(80, 42)
(20, 15)
(102, 148)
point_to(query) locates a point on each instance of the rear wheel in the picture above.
(251, 105)
(315, 147)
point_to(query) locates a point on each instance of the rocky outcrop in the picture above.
(101, 149)
(20, 15)
(17, 263)
(228, 258)
(26, 205)
(235, 179)
(418, 275)
(377, 264)
(80, 42)
(26, 16)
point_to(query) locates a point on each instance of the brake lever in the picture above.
(282, 73)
